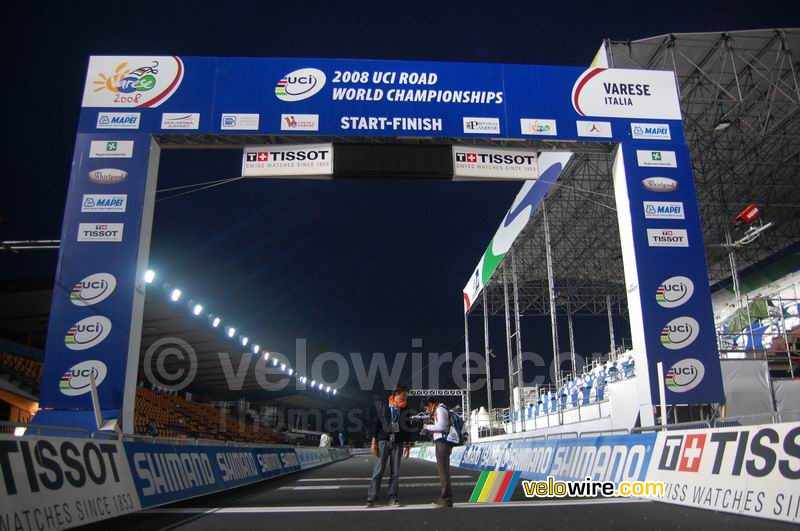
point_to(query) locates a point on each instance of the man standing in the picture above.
(391, 434)
(439, 427)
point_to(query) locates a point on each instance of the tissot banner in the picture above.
(494, 163)
(283, 160)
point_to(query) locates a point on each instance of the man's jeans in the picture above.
(391, 452)
(443, 451)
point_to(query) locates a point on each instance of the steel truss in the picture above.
(740, 97)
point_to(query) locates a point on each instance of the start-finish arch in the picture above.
(374, 118)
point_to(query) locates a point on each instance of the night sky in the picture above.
(356, 265)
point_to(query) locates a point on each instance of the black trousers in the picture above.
(443, 451)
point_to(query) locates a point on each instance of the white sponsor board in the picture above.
(494, 163)
(283, 160)
(621, 93)
(239, 122)
(753, 470)
(594, 129)
(180, 120)
(481, 126)
(538, 127)
(100, 232)
(104, 202)
(641, 131)
(111, 149)
(299, 122)
(118, 120)
(656, 159)
(131, 81)
(667, 238)
(663, 210)
(55, 483)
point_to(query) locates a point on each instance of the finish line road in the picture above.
(332, 498)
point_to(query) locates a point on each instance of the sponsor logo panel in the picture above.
(660, 184)
(494, 163)
(679, 333)
(104, 203)
(594, 129)
(667, 238)
(299, 122)
(685, 375)
(108, 176)
(180, 120)
(538, 127)
(481, 126)
(87, 333)
(93, 289)
(118, 120)
(275, 161)
(663, 210)
(656, 159)
(300, 84)
(650, 131)
(674, 292)
(77, 380)
(132, 81)
(621, 93)
(239, 122)
(112, 149)
(100, 232)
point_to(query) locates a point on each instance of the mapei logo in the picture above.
(93, 289)
(108, 175)
(685, 375)
(650, 131)
(300, 84)
(78, 380)
(118, 120)
(104, 203)
(756, 452)
(663, 210)
(87, 333)
(679, 333)
(674, 292)
(131, 82)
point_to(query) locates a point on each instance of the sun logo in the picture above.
(124, 80)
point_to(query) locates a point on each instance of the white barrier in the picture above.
(53, 483)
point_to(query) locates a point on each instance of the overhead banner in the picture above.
(341, 97)
(296, 161)
(494, 163)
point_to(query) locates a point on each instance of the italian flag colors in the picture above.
(495, 487)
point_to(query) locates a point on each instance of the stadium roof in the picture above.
(740, 97)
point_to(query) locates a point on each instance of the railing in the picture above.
(759, 418)
(47, 430)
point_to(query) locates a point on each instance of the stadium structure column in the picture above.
(551, 291)
(468, 404)
(511, 406)
(488, 362)
(518, 336)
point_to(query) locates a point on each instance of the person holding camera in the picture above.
(391, 441)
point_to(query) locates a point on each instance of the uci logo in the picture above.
(300, 84)
(87, 333)
(674, 292)
(679, 333)
(78, 379)
(93, 289)
(685, 375)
